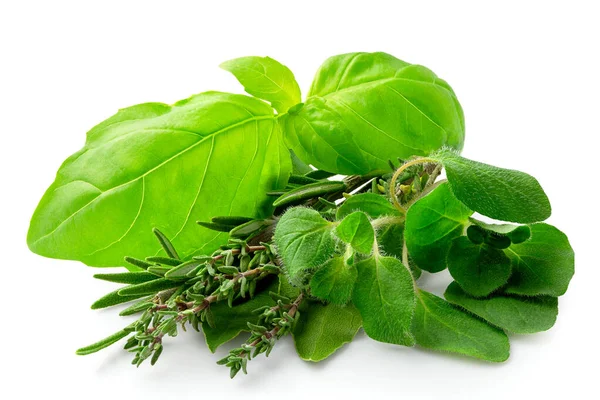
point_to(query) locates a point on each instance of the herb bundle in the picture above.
(254, 231)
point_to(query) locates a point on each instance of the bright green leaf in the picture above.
(502, 194)
(438, 325)
(323, 329)
(155, 165)
(356, 230)
(385, 296)
(266, 79)
(334, 281)
(516, 233)
(431, 225)
(544, 264)
(304, 240)
(478, 268)
(513, 313)
(374, 205)
(364, 109)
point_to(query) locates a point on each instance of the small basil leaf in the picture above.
(304, 241)
(438, 325)
(372, 204)
(323, 329)
(502, 194)
(431, 224)
(357, 231)
(514, 313)
(543, 264)
(334, 281)
(266, 79)
(385, 296)
(478, 269)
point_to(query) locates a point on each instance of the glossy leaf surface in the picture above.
(156, 165)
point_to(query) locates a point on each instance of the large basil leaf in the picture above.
(322, 329)
(543, 264)
(364, 109)
(499, 193)
(514, 313)
(438, 325)
(266, 79)
(156, 165)
(431, 224)
(385, 296)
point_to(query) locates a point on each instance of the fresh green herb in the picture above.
(281, 248)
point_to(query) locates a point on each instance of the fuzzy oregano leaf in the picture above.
(266, 79)
(438, 325)
(542, 265)
(431, 225)
(385, 296)
(372, 204)
(304, 240)
(502, 194)
(334, 281)
(478, 268)
(157, 165)
(516, 314)
(357, 231)
(324, 328)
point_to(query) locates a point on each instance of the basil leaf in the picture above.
(544, 264)
(513, 313)
(364, 109)
(304, 241)
(431, 224)
(498, 193)
(385, 296)
(323, 329)
(155, 165)
(357, 231)
(372, 204)
(266, 79)
(478, 269)
(334, 281)
(438, 325)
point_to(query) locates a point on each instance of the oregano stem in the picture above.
(394, 197)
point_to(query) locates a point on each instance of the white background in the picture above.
(526, 74)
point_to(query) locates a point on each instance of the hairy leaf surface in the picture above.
(156, 165)
(364, 109)
(438, 325)
(374, 205)
(516, 314)
(503, 194)
(543, 264)
(431, 225)
(385, 296)
(478, 268)
(334, 281)
(304, 240)
(323, 329)
(357, 231)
